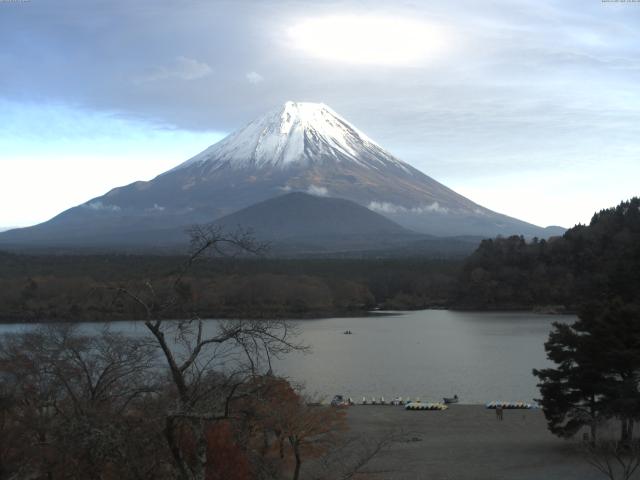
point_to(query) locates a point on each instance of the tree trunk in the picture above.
(265, 442)
(625, 431)
(169, 432)
(296, 454)
(594, 420)
(200, 468)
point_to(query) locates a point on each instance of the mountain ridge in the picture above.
(301, 214)
(298, 223)
(299, 147)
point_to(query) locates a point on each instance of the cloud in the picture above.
(386, 207)
(434, 207)
(182, 68)
(98, 205)
(254, 77)
(317, 191)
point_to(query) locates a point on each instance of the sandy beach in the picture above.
(466, 442)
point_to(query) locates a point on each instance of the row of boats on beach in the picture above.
(342, 401)
(417, 404)
(511, 405)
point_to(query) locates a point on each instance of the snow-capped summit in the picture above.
(297, 132)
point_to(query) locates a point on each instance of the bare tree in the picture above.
(192, 400)
(9, 434)
(192, 349)
(75, 403)
(614, 459)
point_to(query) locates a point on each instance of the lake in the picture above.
(480, 356)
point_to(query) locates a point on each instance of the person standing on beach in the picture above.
(499, 412)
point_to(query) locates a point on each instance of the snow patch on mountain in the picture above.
(297, 133)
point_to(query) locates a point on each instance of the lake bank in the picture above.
(466, 442)
(292, 315)
(384, 310)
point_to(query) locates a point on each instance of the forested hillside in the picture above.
(589, 262)
(75, 287)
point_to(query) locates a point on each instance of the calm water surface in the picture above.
(427, 354)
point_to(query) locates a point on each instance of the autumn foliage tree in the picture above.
(291, 427)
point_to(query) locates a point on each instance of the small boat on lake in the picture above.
(453, 399)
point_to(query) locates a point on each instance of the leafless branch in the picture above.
(612, 458)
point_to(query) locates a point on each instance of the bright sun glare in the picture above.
(368, 39)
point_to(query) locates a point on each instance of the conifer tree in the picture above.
(597, 372)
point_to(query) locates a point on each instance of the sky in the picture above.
(528, 107)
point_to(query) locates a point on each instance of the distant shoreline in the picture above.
(211, 316)
(292, 316)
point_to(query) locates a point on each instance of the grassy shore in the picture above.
(467, 442)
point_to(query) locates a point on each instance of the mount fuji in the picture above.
(299, 147)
